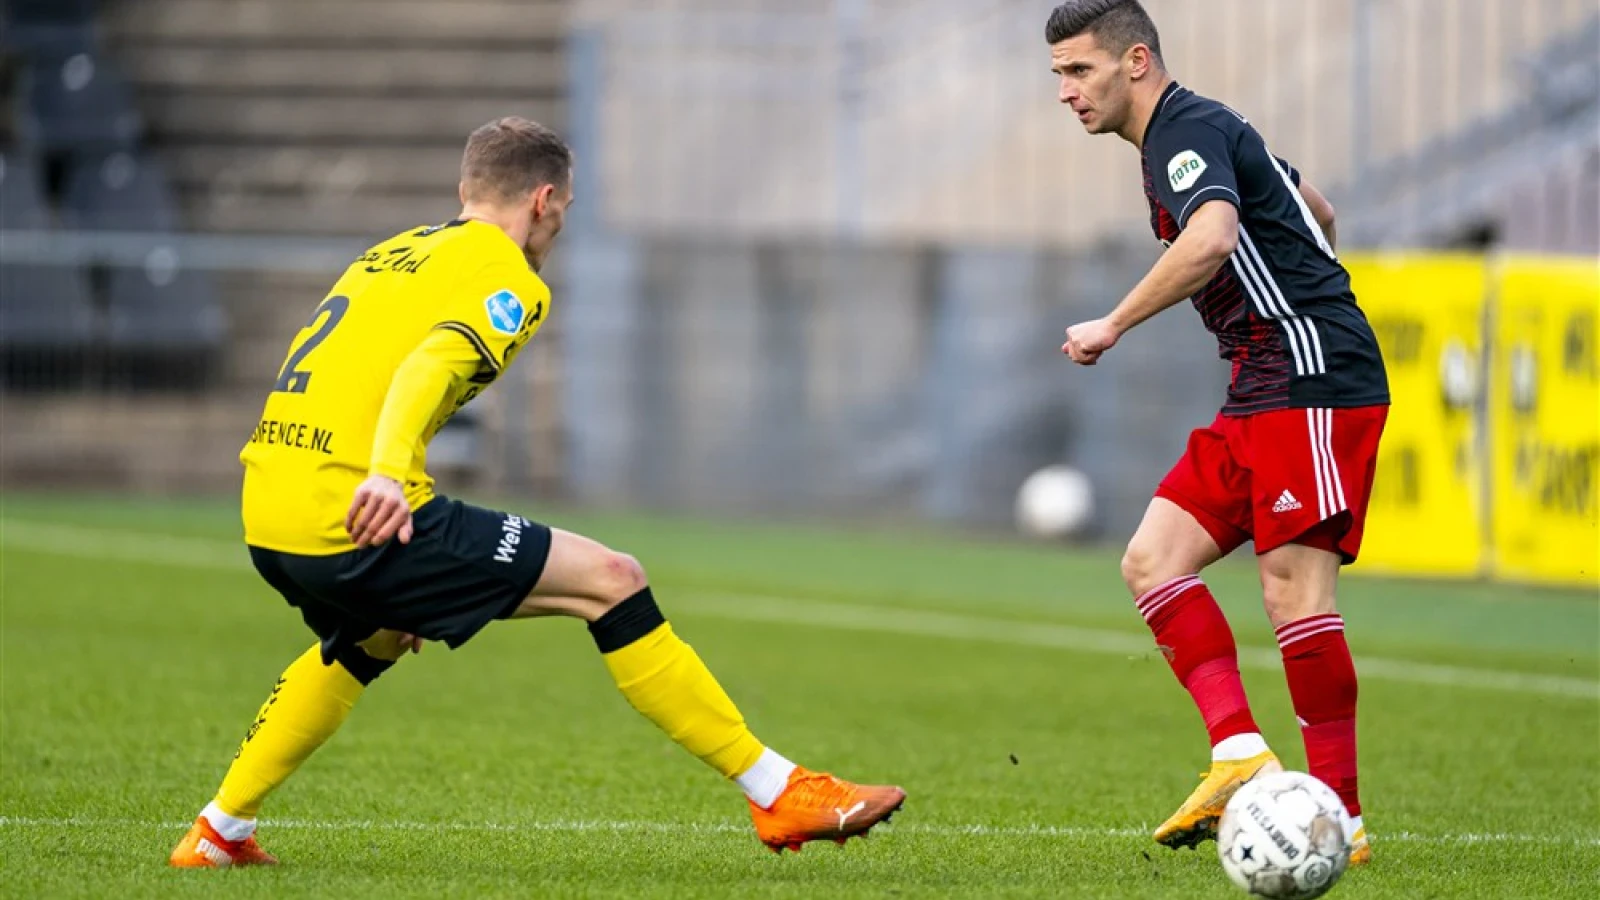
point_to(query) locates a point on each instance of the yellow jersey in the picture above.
(416, 327)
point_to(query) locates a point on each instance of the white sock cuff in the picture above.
(1311, 626)
(1151, 601)
(1240, 746)
(231, 828)
(765, 780)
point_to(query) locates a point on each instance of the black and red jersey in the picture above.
(1282, 308)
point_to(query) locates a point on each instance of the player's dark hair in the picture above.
(511, 157)
(1115, 24)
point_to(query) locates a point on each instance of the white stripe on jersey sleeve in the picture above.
(1201, 193)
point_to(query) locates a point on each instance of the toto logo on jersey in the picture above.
(505, 312)
(1185, 170)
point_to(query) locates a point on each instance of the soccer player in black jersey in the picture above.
(1289, 460)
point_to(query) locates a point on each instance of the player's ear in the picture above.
(1140, 61)
(541, 200)
(461, 191)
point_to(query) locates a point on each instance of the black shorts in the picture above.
(464, 568)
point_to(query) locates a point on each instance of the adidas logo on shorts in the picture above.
(1286, 503)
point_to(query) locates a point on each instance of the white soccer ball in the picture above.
(1055, 501)
(1285, 836)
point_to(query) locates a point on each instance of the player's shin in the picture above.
(665, 680)
(1195, 637)
(306, 706)
(1322, 685)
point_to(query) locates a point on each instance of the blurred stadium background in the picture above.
(823, 251)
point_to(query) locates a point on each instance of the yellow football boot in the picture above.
(1360, 848)
(1196, 820)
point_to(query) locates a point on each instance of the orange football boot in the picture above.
(816, 806)
(203, 848)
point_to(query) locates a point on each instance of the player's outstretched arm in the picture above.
(1192, 261)
(380, 510)
(1321, 210)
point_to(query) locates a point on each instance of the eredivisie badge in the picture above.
(505, 312)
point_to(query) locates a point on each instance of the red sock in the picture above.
(1322, 683)
(1197, 642)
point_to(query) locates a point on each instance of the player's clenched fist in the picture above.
(378, 512)
(1087, 340)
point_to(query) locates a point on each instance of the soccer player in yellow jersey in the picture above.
(342, 520)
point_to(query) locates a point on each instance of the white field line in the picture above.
(201, 553)
(580, 826)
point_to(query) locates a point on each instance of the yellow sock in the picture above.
(665, 681)
(306, 707)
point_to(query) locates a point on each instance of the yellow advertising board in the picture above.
(1544, 409)
(1426, 515)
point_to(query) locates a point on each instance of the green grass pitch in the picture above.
(1011, 690)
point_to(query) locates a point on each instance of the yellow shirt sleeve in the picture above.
(420, 385)
(497, 309)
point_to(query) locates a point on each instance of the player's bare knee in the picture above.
(1142, 567)
(1288, 598)
(386, 645)
(1297, 582)
(621, 576)
(1282, 600)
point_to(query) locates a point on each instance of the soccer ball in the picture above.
(1055, 501)
(1285, 836)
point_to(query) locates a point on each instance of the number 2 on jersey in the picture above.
(293, 379)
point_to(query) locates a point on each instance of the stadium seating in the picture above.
(70, 95)
(118, 192)
(164, 327)
(48, 323)
(332, 118)
(76, 103)
(148, 321)
(49, 28)
(340, 121)
(22, 14)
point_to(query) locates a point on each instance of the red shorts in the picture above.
(1277, 477)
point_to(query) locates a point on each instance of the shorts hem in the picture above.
(536, 575)
(1227, 536)
(441, 587)
(1306, 538)
(520, 587)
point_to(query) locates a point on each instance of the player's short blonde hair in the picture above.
(509, 158)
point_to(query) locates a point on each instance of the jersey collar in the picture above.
(1167, 97)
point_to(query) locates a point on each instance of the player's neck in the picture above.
(512, 223)
(1146, 97)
